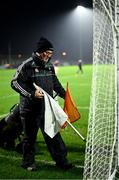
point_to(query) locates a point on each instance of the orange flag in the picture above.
(70, 108)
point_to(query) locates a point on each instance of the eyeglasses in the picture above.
(49, 52)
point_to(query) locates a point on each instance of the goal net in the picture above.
(101, 144)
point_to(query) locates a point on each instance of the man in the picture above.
(39, 70)
(80, 66)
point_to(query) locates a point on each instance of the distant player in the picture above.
(80, 66)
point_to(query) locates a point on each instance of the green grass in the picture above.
(80, 86)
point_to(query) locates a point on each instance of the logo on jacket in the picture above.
(36, 70)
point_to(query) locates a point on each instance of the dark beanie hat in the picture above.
(44, 45)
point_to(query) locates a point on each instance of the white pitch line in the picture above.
(3, 115)
(82, 84)
(79, 107)
(9, 96)
(37, 160)
(83, 107)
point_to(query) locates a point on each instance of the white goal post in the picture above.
(101, 155)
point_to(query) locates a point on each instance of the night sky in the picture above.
(24, 22)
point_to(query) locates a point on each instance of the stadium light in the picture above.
(74, 26)
(80, 7)
(79, 17)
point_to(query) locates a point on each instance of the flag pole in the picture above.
(37, 87)
(76, 130)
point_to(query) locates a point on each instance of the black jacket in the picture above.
(43, 74)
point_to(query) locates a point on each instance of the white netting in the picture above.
(100, 157)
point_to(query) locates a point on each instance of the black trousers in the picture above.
(31, 124)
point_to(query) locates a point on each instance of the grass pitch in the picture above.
(80, 87)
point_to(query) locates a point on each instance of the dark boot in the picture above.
(64, 165)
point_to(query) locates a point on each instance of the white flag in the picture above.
(55, 117)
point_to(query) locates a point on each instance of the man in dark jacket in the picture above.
(39, 70)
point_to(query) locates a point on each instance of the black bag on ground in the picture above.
(11, 130)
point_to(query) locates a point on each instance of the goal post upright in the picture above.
(117, 71)
(102, 145)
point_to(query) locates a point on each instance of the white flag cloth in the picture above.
(55, 117)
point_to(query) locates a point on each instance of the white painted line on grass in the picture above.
(37, 160)
(78, 84)
(3, 115)
(80, 107)
(83, 107)
(9, 96)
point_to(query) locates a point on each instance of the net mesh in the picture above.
(100, 155)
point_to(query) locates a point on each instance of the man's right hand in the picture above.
(39, 94)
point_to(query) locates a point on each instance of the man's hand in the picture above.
(39, 94)
(64, 125)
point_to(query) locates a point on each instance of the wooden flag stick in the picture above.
(76, 130)
(37, 87)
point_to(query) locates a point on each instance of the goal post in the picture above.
(117, 56)
(102, 137)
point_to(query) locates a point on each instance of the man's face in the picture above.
(46, 55)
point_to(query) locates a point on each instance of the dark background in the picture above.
(24, 22)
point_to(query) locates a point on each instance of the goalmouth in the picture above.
(101, 155)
